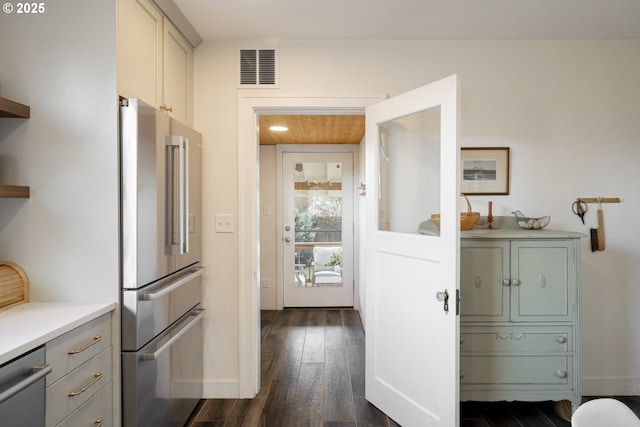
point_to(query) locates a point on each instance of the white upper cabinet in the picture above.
(178, 74)
(140, 51)
(155, 62)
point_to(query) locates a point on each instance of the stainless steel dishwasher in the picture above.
(22, 390)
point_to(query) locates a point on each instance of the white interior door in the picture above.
(411, 340)
(317, 235)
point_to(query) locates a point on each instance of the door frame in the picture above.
(250, 104)
(280, 258)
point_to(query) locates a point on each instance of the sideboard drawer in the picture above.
(74, 348)
(548, 372)
(516, 339)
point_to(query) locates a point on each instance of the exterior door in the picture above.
(318, 229)
(412, 328)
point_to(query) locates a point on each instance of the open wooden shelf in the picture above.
(14, 191)
(14, 109)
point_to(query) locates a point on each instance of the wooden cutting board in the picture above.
(14, 285)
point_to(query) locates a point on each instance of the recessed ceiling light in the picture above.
(278, 128)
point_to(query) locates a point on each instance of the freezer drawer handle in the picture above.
(39, 371)
(150, 296)
(198, 313)
(96, 377)
(93, 342)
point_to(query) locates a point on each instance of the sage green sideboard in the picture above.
(519, 315)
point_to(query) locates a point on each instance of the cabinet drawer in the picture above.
(64, 396)
(93, 412)
(72, 349)
(516, 372)
(516, 339)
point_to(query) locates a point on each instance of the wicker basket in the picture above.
(467, 219)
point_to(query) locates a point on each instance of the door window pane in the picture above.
(409, 171)
(318, 224)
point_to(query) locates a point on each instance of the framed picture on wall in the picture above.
(485, 170)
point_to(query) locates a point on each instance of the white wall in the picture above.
(215, 117)
(63, 64)
(567, 109)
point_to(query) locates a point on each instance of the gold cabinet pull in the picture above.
(95, 341)
(98, 422)
(95, 379)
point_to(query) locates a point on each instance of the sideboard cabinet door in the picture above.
(542, 281)
(484, 294)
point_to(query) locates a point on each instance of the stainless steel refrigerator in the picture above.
(161, 223)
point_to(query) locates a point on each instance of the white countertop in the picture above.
(505, 227)
(27, 326)
(520, 234)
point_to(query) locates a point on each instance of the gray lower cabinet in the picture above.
(79, 390)
(519, 324)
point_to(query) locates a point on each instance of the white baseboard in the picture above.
(610, 386)
(221, 388)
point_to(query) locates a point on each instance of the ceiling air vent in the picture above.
(257, 68)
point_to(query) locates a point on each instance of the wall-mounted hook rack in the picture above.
(599, 199)
(597, 234)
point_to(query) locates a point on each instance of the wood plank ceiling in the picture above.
(312, 129)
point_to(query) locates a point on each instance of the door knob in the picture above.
(287, 240)
(287, 228)
(443, 296)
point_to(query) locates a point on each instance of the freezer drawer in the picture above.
(148, 311)
(162, 382)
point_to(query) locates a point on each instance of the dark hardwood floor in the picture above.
(313, 375)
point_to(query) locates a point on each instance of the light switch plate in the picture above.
(224, 223)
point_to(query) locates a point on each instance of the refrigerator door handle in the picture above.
(198, 313)
(185, 197)
(150, 296)
(177, 227)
